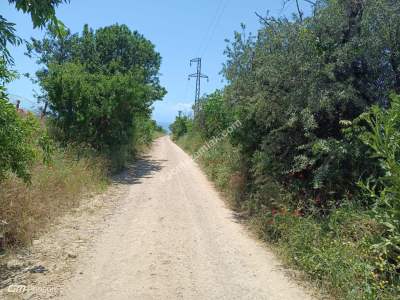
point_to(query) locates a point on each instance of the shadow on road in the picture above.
(145, 167)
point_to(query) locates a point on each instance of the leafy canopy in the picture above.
(297, 83)
(98, 84)
(20, 138)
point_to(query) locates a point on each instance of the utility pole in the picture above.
(198, 75)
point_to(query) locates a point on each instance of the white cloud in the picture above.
(165, 111)
(183, 106)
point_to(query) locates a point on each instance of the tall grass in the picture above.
(55, 188)
(335, 252)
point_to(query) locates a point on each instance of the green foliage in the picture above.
(333, 252)
(20, 136)
(100, 86)
(296, 84)
(94, 108)
(213, 116)
(42, 13)
(384, 138)
(7, 36)
(180, 126)
(146, 131)
(22, 142)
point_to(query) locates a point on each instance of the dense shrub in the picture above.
(22, 142)
(213, 117)
(296, 84)
(180, 126)
(146, 131)
(383, 137)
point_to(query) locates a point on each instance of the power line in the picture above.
(14, 98)
(209, 27)
(198, 75)
(216, 23)
(203, 46)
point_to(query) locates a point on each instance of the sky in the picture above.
(180, 29)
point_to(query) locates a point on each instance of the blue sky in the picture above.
(180, 29)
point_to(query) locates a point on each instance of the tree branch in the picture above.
(262, 18)
(299, 11)
(311, 2)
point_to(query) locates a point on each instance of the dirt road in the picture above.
(175, 239)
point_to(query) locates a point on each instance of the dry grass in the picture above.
(55, 189)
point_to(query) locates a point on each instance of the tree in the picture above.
(99, 84)
(41, 12)
(297, 83)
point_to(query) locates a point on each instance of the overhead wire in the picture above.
(209, 28)
(215, 26)
(209, 33)
(14, 97)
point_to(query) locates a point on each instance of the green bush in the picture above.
(181, 126)
(213, 116)
(22, 142)
(295, 85)
(146, 131)
(383, 137)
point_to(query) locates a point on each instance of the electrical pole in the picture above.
(198, 75)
